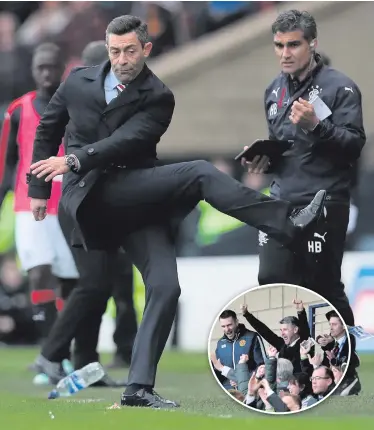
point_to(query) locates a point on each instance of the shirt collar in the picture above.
(341, 340)
(294, 342)
(112, 80)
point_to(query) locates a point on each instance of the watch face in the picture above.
(70, 161)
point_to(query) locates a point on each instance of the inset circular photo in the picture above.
(282, 349)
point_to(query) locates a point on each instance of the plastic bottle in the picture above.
(78, 380)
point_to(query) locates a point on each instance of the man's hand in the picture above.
(243, 358)
(330, 355)
(303, 113)
(259, 164)
(253, 385)
(272, 352)
(38, 208)
(233, 384)
(263, 397)
(325, 340)
(260, 371)
(52, 167)
(216, 362)
(298, 304)
(243, 309)
(316, 360)
(265, 384)
(305, 348)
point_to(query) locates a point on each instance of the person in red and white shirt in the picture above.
(41, 247)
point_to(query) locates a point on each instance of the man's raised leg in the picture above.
(140, 194)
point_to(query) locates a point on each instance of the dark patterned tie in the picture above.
(336, 349)
(120, 88)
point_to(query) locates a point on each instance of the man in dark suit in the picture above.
(114, 116)
(122, 275)
(294, 330)
(337, 350)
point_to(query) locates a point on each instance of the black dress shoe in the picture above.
(311, 213)
(107, 382)
(147, 399)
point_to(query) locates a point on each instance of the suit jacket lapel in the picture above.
(132, 91)
(97, 75)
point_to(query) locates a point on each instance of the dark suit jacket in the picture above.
(277, 403)
(125, 132)
(354, 362)
(291, 353)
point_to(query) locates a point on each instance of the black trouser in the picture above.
(126, 324)
(102, 274)
(144, 202)
(318, 266)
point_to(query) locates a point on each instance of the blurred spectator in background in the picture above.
(22, 9)
(50, 19)
(87, 23)
(115, 8)
(94, 53)
(217, 14)
(15, 77)
(50, 265)
(160, 17)
(16, 323)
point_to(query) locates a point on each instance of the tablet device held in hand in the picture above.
(271, 148)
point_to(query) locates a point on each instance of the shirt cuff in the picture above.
(249, 399)
(270, 392)
(225, 371)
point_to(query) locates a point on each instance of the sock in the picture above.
(44, 315)
(66, 286)
(133, 388)
(59, 304)
(43, 285)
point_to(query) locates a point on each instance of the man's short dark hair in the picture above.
(94, 53)
(228, 313)
(328, 372)
(127, 24)
(293, 20)
(290, 320)
(332, 314)
(302, 378)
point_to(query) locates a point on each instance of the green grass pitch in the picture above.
(183, 377)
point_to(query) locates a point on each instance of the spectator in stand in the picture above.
(49, 20)
(15, 76)
(16, 323)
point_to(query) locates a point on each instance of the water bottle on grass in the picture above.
(78, 380)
